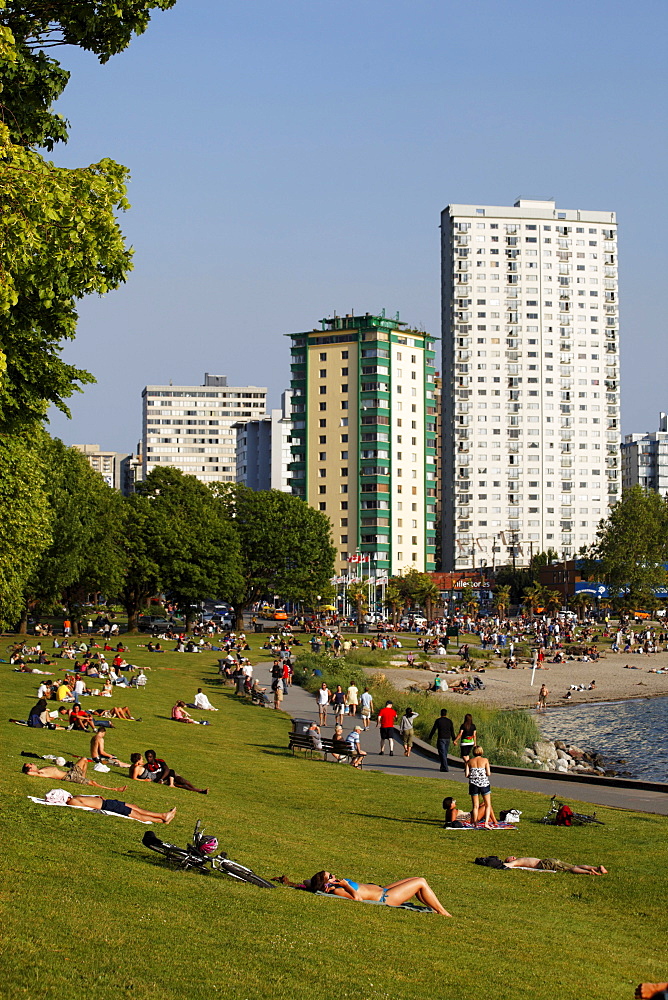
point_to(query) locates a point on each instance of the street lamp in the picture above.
(318, 598)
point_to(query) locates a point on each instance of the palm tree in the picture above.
(428, 595)
(553, 600)
(393, 600)
(534, 597)
(502, 598)
(579, 602)
(358, 594)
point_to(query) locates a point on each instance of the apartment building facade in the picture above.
(263, 449)
(530, 410)
(108, 463)
(192, 427)
(364, 439)
(645, 459)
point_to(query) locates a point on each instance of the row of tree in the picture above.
(70, 536)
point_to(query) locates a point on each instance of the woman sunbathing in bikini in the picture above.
(392, 895)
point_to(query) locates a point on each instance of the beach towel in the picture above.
(102, 812)
(376, 902)
(472, 826)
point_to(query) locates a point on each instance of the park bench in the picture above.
(302, 741)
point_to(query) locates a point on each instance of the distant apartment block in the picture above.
(263, 449)
(364, 438)
(192, 427)
(645, 459)
(530, 340)
(108, 463)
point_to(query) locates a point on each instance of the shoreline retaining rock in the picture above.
(560, 757)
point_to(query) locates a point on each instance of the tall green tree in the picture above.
(358, 594)
(285, 545)
(192, 541)
(632, 545)
(428, 595)
(85, 553)
(59, 237)
(25, 521)
(143, 528)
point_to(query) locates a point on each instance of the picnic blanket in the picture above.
(103, 812)
(474, 826)
(376, 902)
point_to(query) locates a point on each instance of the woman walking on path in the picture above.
(468, 736)
(406, 730)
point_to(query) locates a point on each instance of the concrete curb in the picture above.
(576, 779)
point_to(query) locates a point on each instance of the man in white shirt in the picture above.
(367, 707)
(79, 689)
(323, 696)
(201, 701)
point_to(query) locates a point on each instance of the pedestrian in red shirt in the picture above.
(386, 720)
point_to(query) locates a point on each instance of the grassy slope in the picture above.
(89, 911)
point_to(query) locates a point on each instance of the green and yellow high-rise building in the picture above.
(364, 438)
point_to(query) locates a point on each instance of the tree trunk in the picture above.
(22, 627)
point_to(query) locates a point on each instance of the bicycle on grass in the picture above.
(201, 856)
(560, 814)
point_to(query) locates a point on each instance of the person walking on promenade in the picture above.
(323, 697)
(445, 732)
(386, 719)
(468, 736)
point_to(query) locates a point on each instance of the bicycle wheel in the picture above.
(242, 873)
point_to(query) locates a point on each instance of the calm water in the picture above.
(635, 731)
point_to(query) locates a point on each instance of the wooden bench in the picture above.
(303, 741)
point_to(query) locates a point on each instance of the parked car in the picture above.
(151, 623)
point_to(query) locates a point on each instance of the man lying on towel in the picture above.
(552, 865)
(60, 796)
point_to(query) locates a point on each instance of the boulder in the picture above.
(543, 767)
(528, 752)
(545, 750)
(562, 755)
(560, 745)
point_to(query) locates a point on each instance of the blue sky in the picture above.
(289, 160)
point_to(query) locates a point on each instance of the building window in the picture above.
(323, 357)
(322, 506)
(344, 487)
(323, 390)
(323, 406)
(322, 456)
(322, 423)
(344, 472)
(322, 473)
(344, 388)
(322, 489)
(343, 505)
(344, 404)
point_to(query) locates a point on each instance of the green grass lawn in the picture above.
(89, 912)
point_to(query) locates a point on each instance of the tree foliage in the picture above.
(85, 554)
(25, 524)
(191, 539)
(633, 545)
(59, 237)
(285, 545)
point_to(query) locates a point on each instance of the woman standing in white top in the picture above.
(478, 772)
(352, 699)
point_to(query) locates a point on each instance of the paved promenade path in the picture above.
(299, 704)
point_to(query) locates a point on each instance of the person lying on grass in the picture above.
(552, 865)
(62, 797)
(392, 895)
(76, 774)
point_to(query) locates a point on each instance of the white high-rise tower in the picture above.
(530, 416)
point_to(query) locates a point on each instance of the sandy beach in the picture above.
(512, 688)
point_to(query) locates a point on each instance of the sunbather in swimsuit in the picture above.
(392, 895)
